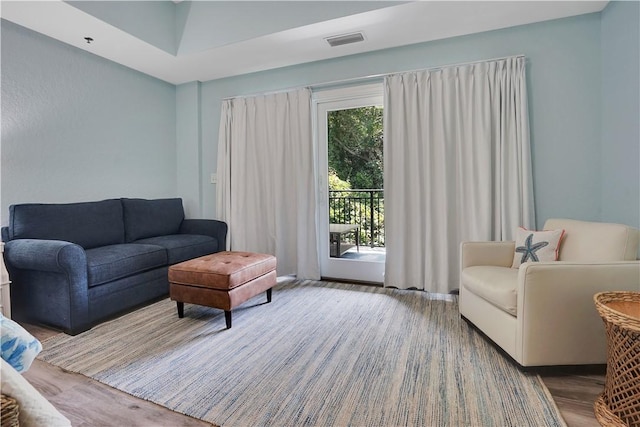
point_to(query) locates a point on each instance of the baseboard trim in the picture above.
(356, 282)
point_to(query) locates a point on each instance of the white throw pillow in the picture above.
(536, 246)
(17, 346)
(35, 410)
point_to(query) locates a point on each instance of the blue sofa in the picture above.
(75, 265)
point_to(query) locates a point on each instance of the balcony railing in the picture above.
(362, 207)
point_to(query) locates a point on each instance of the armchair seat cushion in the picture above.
(496, 285)
(113, 262)
(182, 247)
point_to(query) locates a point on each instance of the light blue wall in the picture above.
(78, 127)
(564, 78)
(621, 113)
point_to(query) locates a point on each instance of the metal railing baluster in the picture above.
(362, 207)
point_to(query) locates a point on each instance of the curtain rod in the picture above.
(370, 77)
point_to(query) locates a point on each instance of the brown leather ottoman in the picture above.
(222, 280)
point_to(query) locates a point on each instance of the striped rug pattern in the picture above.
(320, 354)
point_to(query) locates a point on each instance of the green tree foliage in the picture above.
(355, 146)
(355, 162)
(335, 183)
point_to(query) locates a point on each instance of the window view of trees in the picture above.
(355, 155)
(355, 146)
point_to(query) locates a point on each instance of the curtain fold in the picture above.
(266, 179)
(457, 166)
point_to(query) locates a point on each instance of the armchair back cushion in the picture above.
(88, 224)
(150, 218)
(595, 242)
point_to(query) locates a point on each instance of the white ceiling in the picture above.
(183, 41)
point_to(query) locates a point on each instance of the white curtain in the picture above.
(457, 166)
(266, 179)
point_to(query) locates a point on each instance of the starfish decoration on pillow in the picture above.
(529, 250)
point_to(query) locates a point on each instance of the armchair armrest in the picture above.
(206, 227)
(556, 312)
(499, 254)
(45, 255)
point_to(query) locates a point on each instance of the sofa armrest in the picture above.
(556, 312)
(45, 255)
(49, 283)
(207, 227)
(498, 254)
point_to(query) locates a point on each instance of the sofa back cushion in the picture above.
(150, 218)
(595, 241)
(88, 224)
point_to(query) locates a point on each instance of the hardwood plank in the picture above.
(87, 402)
(575, 394)
(40, 332)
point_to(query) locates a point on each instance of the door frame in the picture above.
(324, 102)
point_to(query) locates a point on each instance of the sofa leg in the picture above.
(227, 318)
(180, 306)
(269, 295)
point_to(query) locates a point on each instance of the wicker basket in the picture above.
(9, 410)
(619, 404)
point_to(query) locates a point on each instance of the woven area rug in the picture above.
(320, 354)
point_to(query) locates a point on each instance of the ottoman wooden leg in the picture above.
(269, 295)
(227, 318)
(180, 309)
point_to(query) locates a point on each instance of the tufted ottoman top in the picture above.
(222, 270)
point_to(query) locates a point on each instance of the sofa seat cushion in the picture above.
(182, 247)
(494, 284)
(113, 262)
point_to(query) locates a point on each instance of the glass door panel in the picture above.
(351, 191)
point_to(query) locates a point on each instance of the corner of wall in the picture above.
(189, 147)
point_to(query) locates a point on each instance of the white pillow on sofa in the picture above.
(536, 246)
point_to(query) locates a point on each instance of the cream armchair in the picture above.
(543, 313)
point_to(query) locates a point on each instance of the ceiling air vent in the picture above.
(345, 39)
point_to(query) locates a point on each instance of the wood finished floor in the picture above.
(87, 402)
